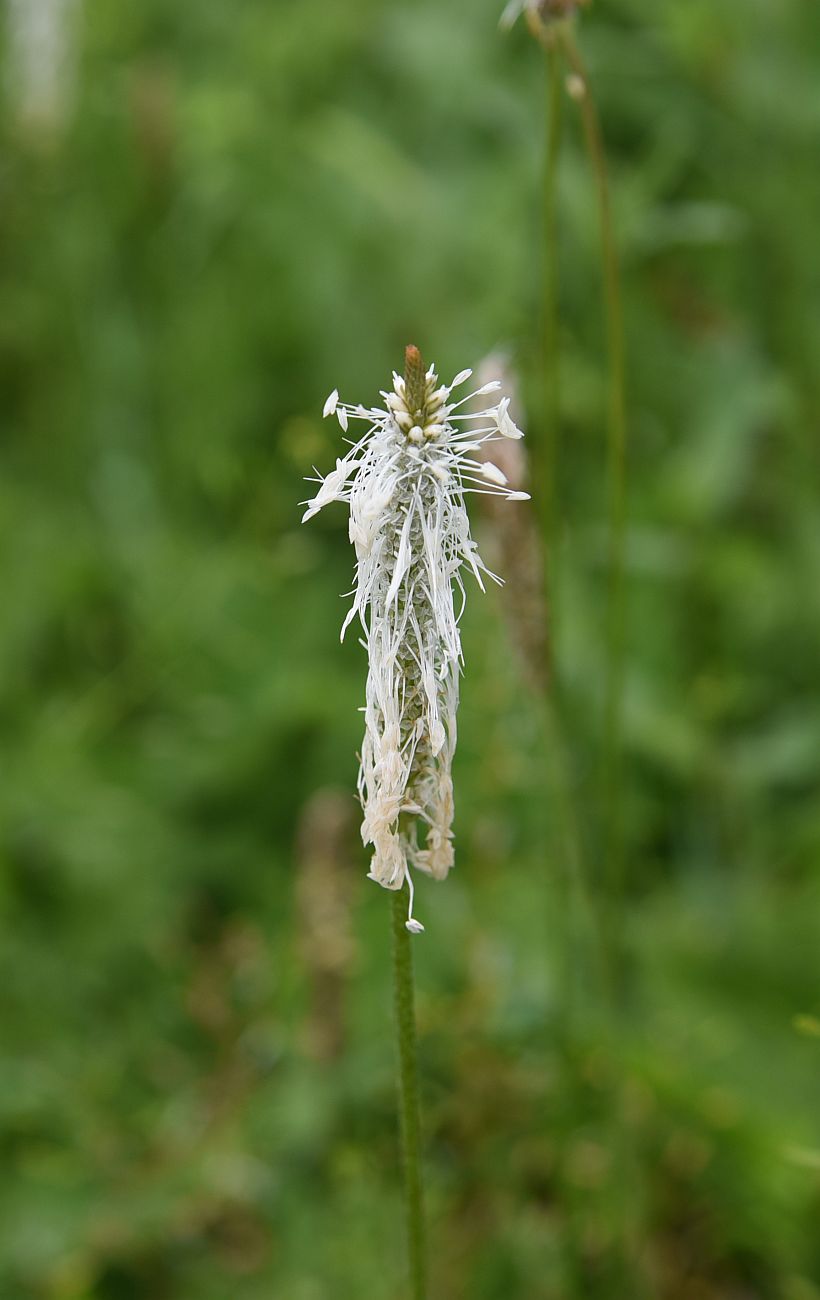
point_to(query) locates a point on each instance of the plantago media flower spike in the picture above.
(404, 481)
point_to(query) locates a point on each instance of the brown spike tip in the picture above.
(413, 378)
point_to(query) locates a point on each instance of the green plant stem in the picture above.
(597, 923)
(551, 373)
(555, 38)
(616, 457)
(409, 1095)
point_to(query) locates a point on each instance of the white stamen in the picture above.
(493, 474)
(415, 927)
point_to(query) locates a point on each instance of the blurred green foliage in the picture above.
(247, 205)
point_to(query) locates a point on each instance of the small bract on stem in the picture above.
(405, 480)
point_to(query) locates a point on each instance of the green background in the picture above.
(246, 205)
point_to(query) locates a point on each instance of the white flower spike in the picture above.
(405, 481)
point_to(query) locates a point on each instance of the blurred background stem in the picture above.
(408, 1095)
(591, 928)
(581, 92)
(552, 391)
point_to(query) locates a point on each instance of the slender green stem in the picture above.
(590, 920)
(556, 39)
(409, 1095)
(576, 902)
(632, 1280)
(551, 372)
(616, 456)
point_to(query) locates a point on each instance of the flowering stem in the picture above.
(408, 1095)
(616, 454)
(551, 343)
(632, 1278)
(553, 37)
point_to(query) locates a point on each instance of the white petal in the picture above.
(341, 416)
(518, 496)
(415, 927)
(331, 403)
(460, 377)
